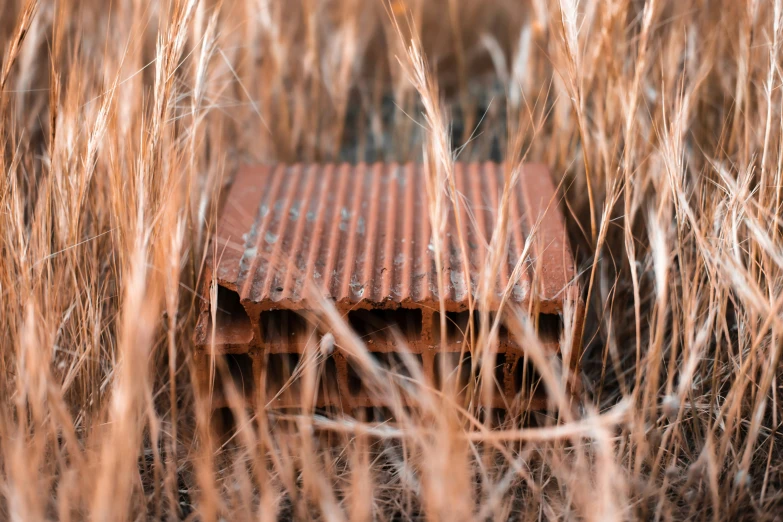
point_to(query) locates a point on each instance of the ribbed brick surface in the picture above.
(361, 235)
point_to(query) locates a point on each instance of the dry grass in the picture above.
(120, 123)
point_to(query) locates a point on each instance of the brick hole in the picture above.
(499, 373)
(281, 326)
(223, 421)
(457, 326)
(450, 366)
(328, 411)
(550, 326)
(379, 324)
(224, 425)
(494, 417)
(373, 414)
(392, 362)
(450, 359)
(233, 323)
(240, 369)
(329, 378)
(229, 306)
(279, 368)
(527, 378)
(354, 381)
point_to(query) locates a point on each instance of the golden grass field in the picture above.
(122, 122)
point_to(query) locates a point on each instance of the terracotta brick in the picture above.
(361, 235)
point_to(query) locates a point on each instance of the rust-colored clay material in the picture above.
(361, 235)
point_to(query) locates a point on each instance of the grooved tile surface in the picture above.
(363, 234)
